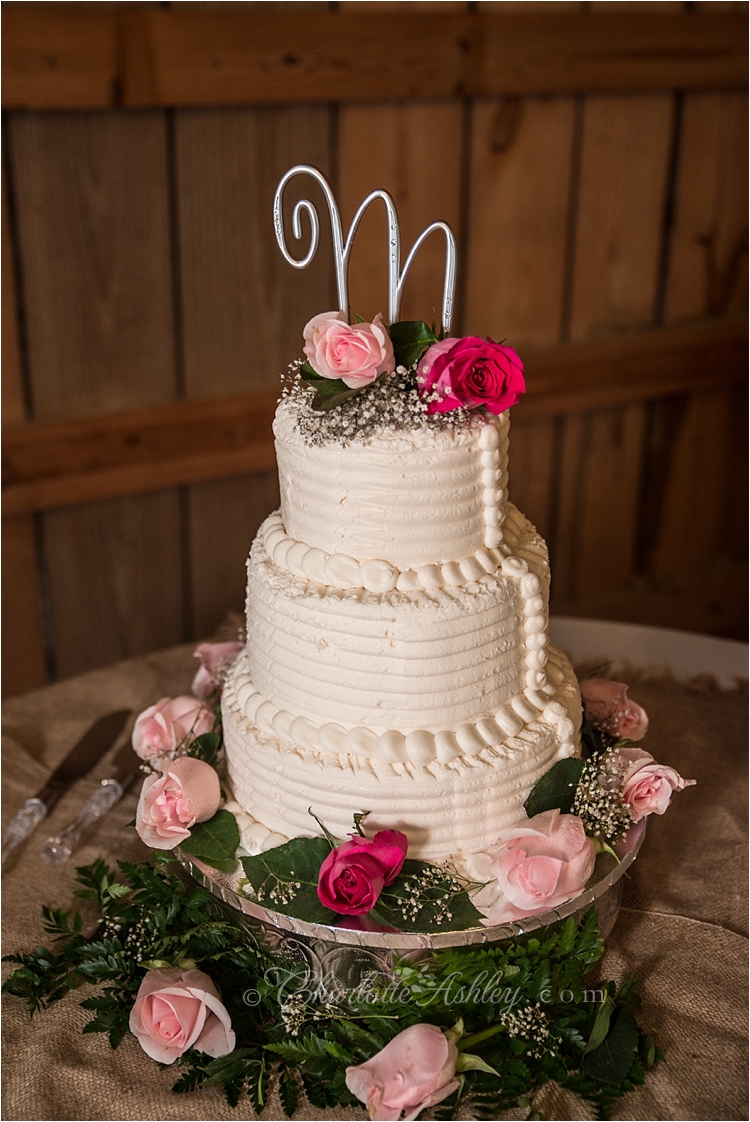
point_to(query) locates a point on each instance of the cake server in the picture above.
(126, 769)
(78, 762)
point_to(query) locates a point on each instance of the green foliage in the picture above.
(206, 747)
(286, 878)
(410, 339)
(556, 789)
(329, 392)
(527, 1010)
(215, 841)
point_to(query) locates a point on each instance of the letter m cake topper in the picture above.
(342, 249)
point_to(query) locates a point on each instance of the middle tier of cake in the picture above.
(428, 658)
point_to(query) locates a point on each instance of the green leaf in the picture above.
(612, 1060)
(601, 1025)
(474, 1063)
(410, 339)
(394, 906)
(275, 874)
(206, 747)
(329, 392)
(556, 789)
(215, 841)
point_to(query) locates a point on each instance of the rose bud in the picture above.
(175, 1010)
(169, 727)
(415, 1070)
(646, 785)
(216, 658)
(538, 865)
(171, 802)
(353, 875)
(608, 707)
(357, 355)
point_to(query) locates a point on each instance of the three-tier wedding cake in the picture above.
(397, 659)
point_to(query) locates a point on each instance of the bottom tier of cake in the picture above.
(450, 805)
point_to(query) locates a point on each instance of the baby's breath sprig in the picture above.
(530, 1024)
(598, 799)
(393, 403)
(435, 886)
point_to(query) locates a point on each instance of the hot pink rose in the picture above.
(609, 708)
(169, 726)
(470, 372)
(356, 354)
(539, 865)
(647, 786)
(180, 1009)
(353, 875)
(216, 658)
(171, 802)
(415, 1070)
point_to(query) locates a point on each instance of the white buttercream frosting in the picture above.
(398, 659)
(411, 498)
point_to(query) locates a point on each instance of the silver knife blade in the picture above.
(78, 762)
(126, 767)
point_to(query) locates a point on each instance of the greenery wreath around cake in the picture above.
(492, 1024)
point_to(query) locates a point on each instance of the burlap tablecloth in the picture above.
(683, 926)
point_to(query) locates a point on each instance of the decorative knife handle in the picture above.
(28, 818)
(60, 847)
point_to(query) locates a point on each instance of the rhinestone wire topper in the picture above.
(342, 249)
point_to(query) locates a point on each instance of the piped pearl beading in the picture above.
(419, 747)
(495, 484)
(337, 570)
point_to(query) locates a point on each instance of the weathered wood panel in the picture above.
(22, 640)
(99, 56)
(115, 580)
(623, 181)
(243, 309)
(60, 463)
(708, 260)
(396, 147)
(697, 499)
(520, 183)
(91, 195)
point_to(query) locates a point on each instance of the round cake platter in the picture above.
(341, 957)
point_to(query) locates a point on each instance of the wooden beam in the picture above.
(580, 377)
(62, 463)
(86, 56)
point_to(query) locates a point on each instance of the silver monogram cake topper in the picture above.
(342, 249)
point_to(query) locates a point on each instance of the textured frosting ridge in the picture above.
(408, 498)
(398, 659)
(455, 807)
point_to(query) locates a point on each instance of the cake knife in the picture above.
(78, 762)
(126, 769)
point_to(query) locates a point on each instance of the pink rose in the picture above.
(353, 875)
(169, 726)
(647, 786)
(356, 354)
(470, 372)
(188, 791)
(415, 1070)
(180, 1009)
(608, 707)
(539, 865)
(216, 658)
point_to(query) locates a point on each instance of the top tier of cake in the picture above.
(411, 498)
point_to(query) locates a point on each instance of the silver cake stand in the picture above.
(342, 958)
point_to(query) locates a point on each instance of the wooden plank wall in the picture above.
(140, 269)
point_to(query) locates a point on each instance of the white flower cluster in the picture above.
(391, 402)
